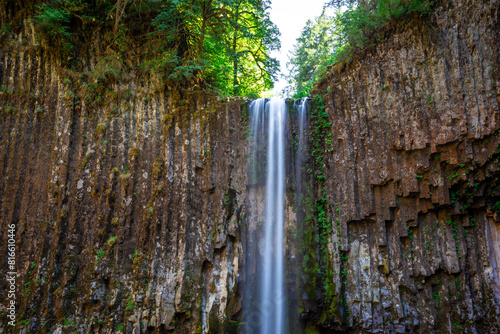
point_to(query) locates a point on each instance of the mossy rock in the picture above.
(311, 329)
(101, 128)
(133, 153)
(157, 169)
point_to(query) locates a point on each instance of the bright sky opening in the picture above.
(291, 16)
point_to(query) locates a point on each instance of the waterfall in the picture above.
(272, 296)
(269, 119)
(267, 303)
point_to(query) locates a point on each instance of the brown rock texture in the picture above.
(126, 209)
(412, 176)
(133, 209)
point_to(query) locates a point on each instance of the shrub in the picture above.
(53, 22)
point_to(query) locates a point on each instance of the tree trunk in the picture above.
(235, 66)
(205, 13)
(117, 16)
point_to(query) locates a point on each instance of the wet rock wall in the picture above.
(126, 202)
(412, 178)
(131, 204)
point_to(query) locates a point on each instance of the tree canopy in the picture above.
(356, 25)
(312, 53)
(223, 44)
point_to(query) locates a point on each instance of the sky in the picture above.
(291, 16)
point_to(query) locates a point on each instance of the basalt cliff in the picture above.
(134, 211)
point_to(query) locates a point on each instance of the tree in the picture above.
(352, 30)
(221, 44)
(348, 3)
(312, 53)
(252, 37)
(238, 32)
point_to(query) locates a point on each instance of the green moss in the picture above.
(9, 110)
(124, 177)
(64, 213)
(135, 254)
(111, 241)
(188, 292)
(311, 329)
(157, 169)
(130, 304)
(310, 265)
(168, 120)
(100, 254)
(101, 128)
(133, 153)
(317, 264)
(160, 190)
(148, 212)
(85, 160)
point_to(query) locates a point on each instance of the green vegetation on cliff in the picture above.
(329, 40)
(223, 44)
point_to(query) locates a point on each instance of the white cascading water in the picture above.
(270, 302)
(272, 288)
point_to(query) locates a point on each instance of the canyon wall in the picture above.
(412, 177)
(132, 204)
(126, 204)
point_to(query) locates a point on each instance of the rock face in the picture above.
(412, 176)
(131, 205)
(126, 210)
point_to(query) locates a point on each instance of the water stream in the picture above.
(269, 124)
(271, 290)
